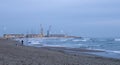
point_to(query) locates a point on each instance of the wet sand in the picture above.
(12, 54)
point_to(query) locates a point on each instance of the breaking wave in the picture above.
(117, 39)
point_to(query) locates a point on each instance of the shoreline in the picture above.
(93, 52)
(104, 53)
(11, 54)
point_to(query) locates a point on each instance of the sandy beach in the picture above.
(12, 54)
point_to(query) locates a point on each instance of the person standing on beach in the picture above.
(22, 42)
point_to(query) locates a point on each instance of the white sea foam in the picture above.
(53, 45)
(34, 42)
(82, 40)
(63, 40)
(118, 52)
(78, 40)
(117, 39)
(81, 44)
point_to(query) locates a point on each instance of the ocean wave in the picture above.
(118, 52)
(79, 40)
(117, 39)
(34, 42)
(63, 40)
(108, 45)
(52, 45)
(109, 51)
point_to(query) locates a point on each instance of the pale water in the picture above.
(110, 45)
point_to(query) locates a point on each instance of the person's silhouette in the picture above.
(22, 42)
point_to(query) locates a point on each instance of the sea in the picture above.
(111, 46)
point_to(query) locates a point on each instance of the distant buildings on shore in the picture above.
(41, 35)
(12, 36)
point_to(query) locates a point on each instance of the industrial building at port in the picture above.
(40, 35)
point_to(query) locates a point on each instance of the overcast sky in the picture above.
(87, 18)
